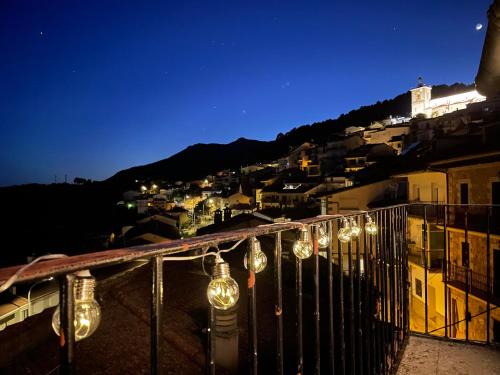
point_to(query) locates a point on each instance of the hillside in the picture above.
(199, 160)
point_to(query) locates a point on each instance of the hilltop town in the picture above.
(358, 167)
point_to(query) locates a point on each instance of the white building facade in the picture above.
(421, 102)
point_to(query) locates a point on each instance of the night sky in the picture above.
(88, 88)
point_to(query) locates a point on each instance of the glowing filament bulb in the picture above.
(323, 238)
(344, 234)
(355, 229)
(302, 248)
(370, 226)
(259, 258)
(87, 311)
(222, 291)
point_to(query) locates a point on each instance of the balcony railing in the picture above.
(473, 282)
(478, 218)
(367, 307)
(360, 286)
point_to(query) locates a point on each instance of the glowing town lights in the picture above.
(154, 187)
(302, 248)
(344, 234)
(87, 310)
(143, 188)
(259, 258)
(323, 238)
(370, 226)
(355, 229)
(222, 291)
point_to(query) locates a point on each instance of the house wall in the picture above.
(356, 198)
(479, 177)
(426, 182)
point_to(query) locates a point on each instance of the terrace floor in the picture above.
(431, 356)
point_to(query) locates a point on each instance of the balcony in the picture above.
(344, 309)
(474, 283)
(478, 218)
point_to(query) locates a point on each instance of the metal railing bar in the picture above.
(298, 294)
(331, 346)
(488, 274)
(350, 301)
(317, 331)
(278, 308)
(445, 270)
(359, 332)
(341, 304)
(426, 304)
(156, 313)
(211, 341)
(367, 305)
(466, 240)
(252, 310)
(385, 317)
(67, 328)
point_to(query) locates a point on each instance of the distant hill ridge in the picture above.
(200, 160)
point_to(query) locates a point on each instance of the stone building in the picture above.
(473, 242)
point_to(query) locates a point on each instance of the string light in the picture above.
(87, 310)
(344, 234)
(355, 229)
(259, 258)
(222, 291)
(323, 238)
(370, 226)
(302, 248)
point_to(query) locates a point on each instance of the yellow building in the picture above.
(426, 249)
(473, 238)
(354, 198)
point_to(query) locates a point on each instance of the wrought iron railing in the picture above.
(360, 286)
(366, 301)
(454, 319)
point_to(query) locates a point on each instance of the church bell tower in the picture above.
(420, 98)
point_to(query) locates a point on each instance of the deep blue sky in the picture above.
(88, 88)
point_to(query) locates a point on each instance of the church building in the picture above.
(421, 102)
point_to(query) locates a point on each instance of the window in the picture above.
(464, 193)
(418, 287)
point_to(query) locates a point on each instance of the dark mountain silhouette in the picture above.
(199, 160)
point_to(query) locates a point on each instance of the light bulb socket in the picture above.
(304, 235)
(255, 245)
(84, 288)
(220, 269)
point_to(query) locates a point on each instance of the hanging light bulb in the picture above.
(323, 238)
(302, 248)
(344, 234)
(87, 310)
(355, 229)
(222, 291)
(259, 258)
(370, 226)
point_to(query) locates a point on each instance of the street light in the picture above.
(29, 292)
